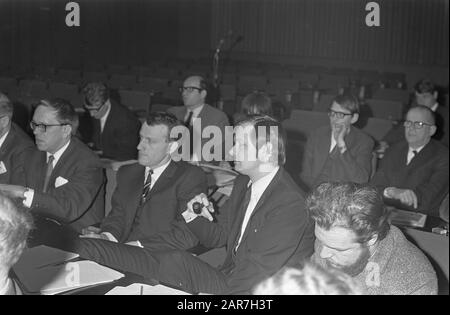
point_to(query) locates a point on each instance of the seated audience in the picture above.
(264, 225)
(111, 128)
(255, 103)
(425, 94)
(14, 146)
(195, 110)
(353, 234)
(310, 280)
(340, 151)
(63, 178)
(15, 225)
(153, 193)
(413, 174)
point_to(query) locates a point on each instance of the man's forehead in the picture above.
(337, 107)
(418, 115)
(192, 81)
(154, 130)
(44, 113)
(336, 236)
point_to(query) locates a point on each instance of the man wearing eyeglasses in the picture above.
(112, 129)
(14, 146)
(338, 152)
(413, 174)
(64, 179)
(194, 92)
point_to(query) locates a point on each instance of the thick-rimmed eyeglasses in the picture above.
(415, 124)
(43, 127)
(338, 115)
(189, 89)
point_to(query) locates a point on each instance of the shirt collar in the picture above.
(5, 289)
(58, 153)
(435, 107)
(410, 150)
(157, 171)
(2, 139)
(196, 111)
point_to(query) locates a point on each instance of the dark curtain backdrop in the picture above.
(411, 32)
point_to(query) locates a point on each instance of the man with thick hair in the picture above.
(340, 151)
(64, 178)
(111, 128)
(15, 224)
(413, 174)
(139, 212)
(263, 225)
(14, 146)
(353, 235)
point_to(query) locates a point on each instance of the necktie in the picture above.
(49, 171)
(412, 157)
(146, 188)
(245, 202)
(188, 124)
(188, 121)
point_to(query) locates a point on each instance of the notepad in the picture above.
(408, 218)
(144, 289)
(46, 270)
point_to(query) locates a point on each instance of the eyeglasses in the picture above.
(415, 124)
(189, 89)
(43, 127)
(339, 115)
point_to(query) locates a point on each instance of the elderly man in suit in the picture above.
(153, 193)
(63, 179)
(340, 151)
(413, 174)
(264, 225)
(15, 225)
(197, 116)
(112, 128)
(14, 146)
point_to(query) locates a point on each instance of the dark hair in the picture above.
(6, 106)
(348, 102)
(431, 115)
(65, 112)
(95, 92)
(425, 86)
(15, 224)
(163, 118)
(357, 207)
(257, 103)
(268, 124)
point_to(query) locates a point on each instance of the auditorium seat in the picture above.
(151, 84)
(68, 76)
(227, 92)
(324, 103)
(392, 110)
(332, 82)
(377, 127)
(7, 84)
(302, 122)
(250, 83)
(122, 81)
(303, 100)
(159, 107)
(307, 80)
(118, 69)
(94, 76)
(135, 100)
(396, 95)
(64, 90)
(279, 87)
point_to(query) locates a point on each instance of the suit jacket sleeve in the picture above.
(71, 201)
(17, 167)
(275, 249)
(435, 188)
(357, 163)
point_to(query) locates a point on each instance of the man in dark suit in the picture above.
(112, 129)
(338, 152)
(170, 186)
(414, 172)
(14, 146)
(264, 225)
(425, 94)
(197, 116)
(64, 179)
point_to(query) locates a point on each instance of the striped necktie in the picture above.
(146, 188)
(49, 171)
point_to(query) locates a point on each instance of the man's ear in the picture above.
(203, 93)
(433, 130)
(355, 118)
(67, 129)
(435, 95)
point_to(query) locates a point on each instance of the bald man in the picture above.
(413, 174)
(194, 92)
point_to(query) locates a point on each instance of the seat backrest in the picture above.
(94, 76)
(151, 84)
(122, 81)
(63, 90)
(396, 95)
(135, 100)
(249, 83)
(7, 84)
(391, 110)
(324, 103)
(377, 127)
(303, 122)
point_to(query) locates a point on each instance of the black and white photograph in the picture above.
(224, 152)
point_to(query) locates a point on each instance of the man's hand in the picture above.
(13, 191)
(406, 196)
(207, 208)
(93, 232)
(339, 133)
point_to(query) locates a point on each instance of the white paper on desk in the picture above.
(144, 289)
(69, 276)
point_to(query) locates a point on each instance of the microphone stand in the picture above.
(216, 81)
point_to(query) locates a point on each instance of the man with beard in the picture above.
(353, 235)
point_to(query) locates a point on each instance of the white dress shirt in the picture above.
(411, 154)
(104, 118)
(3, 138)
(29, 194)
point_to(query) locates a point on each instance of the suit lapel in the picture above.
(238, 219)
(164, 180)
(109, 123)
(62, 161)
(422, 157)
